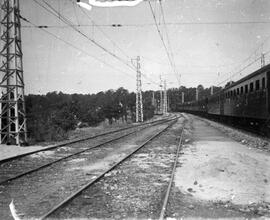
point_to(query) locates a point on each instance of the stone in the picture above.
(86, 197)
(191, 206)
(244, 209)
(190, 190)
(243, 141)
(227, 205)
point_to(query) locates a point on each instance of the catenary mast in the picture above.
(12, 102)
(139, 103)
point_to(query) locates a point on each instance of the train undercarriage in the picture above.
(254, 125)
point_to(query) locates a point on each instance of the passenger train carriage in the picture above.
(245, 101)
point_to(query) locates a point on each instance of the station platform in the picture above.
(12, 151)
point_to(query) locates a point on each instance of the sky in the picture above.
(211, 41)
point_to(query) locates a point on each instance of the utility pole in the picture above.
(161, 101)
(154, 102)
(165, 107)
(183, 97)
(168, 103)
(197, 94)
(161, 97)
(153, 98)
(212, 90)
(139, 104)
(12, 102)
(262, 60)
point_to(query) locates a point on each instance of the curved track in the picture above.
(80, 140)
(166, 198)
(90, 183)
(22, 166)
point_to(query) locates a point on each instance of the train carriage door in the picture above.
(221, 103)
(268, 92)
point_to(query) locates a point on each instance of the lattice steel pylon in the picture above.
(12, 103)
(165, 102)
(139, 102)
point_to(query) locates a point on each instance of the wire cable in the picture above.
(161, 37)
(95, 25)
(241, 70)
(90, 39)
(153, 24)
(77, 48)
(169, 44)
(57, 14)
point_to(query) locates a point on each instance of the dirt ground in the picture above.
(223, 178)
(35, 194)
(217, 176)
(134, 190)
(7, 151)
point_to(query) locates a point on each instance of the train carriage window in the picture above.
(246, 88)
(257, 84)
(242, 90)
(263, 83)
(251, 87)
(237, 91)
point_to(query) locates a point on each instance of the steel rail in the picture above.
(76, 141)
(166, 199)
(73, 195)
(77, 153)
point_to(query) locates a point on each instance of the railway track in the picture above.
(78, 192)
(167, 195)
(80, 140)
(15, 168)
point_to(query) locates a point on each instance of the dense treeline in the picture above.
(50, 116)
(175, 94)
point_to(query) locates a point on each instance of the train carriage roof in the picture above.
(257, 72)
